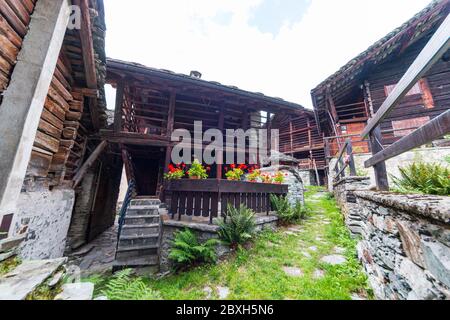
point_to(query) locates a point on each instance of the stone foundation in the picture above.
(405, 240)
(293, 179)
(346, 199)
(45, 217)
(204, 232)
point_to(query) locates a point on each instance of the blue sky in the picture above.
(270, 15)
(282, 48)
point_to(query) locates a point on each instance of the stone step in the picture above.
(24, 279)
(142, 261)
(145, 202)
(139, 220)
(136, 251)
(11, 243)
(130, 241)
(140, 229)
(139, 211)
(76, 292)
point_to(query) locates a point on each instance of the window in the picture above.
(416, 90)
(407, 124)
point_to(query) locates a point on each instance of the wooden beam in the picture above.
(433, 130)
(169, 128)
(433, 51)
(219, 165)
(351, 159)
(87, 44)
(89, 162)
(120, 92)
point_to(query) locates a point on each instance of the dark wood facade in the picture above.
(301, 139)
(152, 103)
(346, 100)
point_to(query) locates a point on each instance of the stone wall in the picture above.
(293, 179)
(346, 199)
(404, 240)
(406, 244)
(45, 216)
(204, 232)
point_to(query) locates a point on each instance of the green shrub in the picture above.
(124, 287)
(288, 214)
(238, 227)
(187, 251)
(428, 178)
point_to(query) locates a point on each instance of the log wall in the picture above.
(432, 99)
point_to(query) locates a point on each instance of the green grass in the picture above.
(9, 265)
(258, 273)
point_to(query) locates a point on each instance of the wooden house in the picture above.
(152, 103)
(347, 99)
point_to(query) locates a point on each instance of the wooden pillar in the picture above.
(351, 158)
(381, 176)
(24, 98)
(89, 162)
(120, 92)
(291, 137)
(269, 133)
(169, 129)
(219, 166)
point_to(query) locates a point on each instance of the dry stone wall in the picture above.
(404, 240)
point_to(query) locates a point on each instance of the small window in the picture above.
(405, 127)
(344, 129)
(416, 90)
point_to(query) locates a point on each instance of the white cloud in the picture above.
(184, 35)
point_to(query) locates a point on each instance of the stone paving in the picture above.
(97, 256)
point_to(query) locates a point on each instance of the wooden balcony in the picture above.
(210, 198)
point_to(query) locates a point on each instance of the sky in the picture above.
(282, 48)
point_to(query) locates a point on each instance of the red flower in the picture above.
(233, 166)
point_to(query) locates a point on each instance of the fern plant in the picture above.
(288, 214)
(122, 286)
(187, 251)
(238, 227)
(428, 178)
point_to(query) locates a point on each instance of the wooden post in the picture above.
(380, 168)
(219, 165)
(120, 92)
(169, 129)
(351, 158)
(269, 133)
(89, 162)
(291, 137)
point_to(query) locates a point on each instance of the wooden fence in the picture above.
(343, 163)
(205, 198)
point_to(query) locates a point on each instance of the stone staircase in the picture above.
(140, 236)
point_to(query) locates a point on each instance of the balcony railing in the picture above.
(211, 197)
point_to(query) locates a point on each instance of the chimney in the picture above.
(196, 74)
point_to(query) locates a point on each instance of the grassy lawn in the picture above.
(259, 273)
